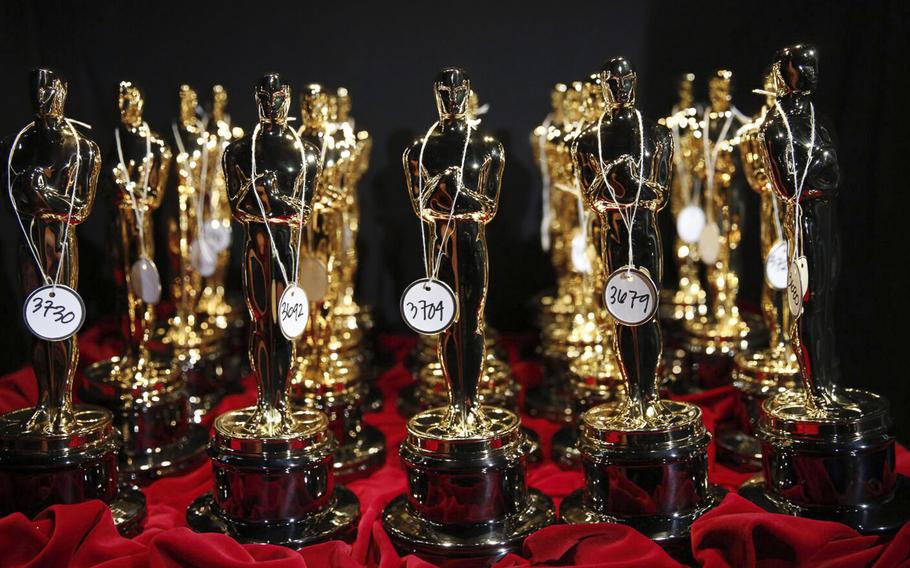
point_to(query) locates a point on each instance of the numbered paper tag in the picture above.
(794, 290)
(802, 266)
(314, 278)
(709, 243)
(630, 296)
(580, 260)
(690, 223)
(428, 306)
(217, 234)
(145, 280)
(203, 257)
(776, 266)
(54, 313)
(293, 311)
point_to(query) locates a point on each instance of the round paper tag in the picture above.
(802, 266)
(709, 243)
(145, 280)
(54, 313)
(429, 306)
(217, 234)
(580, 260)
(630, 296)
(293, 311)
(690, 223)
(794, 290)
(203, 257)
(776, 266)
(314, 278)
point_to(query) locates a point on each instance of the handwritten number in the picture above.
(58, 312)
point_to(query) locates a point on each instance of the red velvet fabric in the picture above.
(736, 533)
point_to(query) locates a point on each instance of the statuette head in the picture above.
(720, 89)
(130, 103)
(48, 93)
(796, 68)
(273, 96)
(453, 93)
(618, 79)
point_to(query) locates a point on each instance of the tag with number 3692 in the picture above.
(54, 313)
(630, 296)
(429, 306)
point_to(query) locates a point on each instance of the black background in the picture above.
(387, 53)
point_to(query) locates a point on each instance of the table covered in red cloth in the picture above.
(736, 533)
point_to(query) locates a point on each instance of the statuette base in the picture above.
(338, 522)
(464, 545)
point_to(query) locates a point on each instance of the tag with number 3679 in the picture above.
(630, 296)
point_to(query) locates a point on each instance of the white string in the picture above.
(130, 185)
(683, 172)
(433, 270)
(202, 191)
(545, 217)
(711, 154)
(177, 138)
(265, 220)
(628, 217)
(75, 182)
(798, 190)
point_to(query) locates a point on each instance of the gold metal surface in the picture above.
(720, 329)
(43, 178)
(136, 373)
(775, 368)
(688, 299)
(571, 321)
(459, 233)
(270, 243)
(328, 360)
(213, 312)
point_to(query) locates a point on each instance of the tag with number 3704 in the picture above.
(429, 306)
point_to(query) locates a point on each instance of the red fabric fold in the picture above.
(736, 533)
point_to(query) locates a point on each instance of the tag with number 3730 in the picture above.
(429, 306)
(54, 312)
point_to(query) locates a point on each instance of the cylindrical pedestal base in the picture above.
(757, 375)
(468, 502)
(651, 474)
(711, 352)
(834, 463)
(154, 420)
(338, 523)
(410, 403)
(552, 399)
(478, 545)
(564, 447)
(361, 447)
(277, 489)
(39, 470)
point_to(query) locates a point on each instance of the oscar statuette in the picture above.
(645, 458)
(760, 373)
(713, 337)
(468, 500)
(274, 478)
(142, 387)
(826, 449)
(56, 452)
(327, 374)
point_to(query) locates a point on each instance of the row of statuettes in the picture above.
(607, 171)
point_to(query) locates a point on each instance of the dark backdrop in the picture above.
(387, 53)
